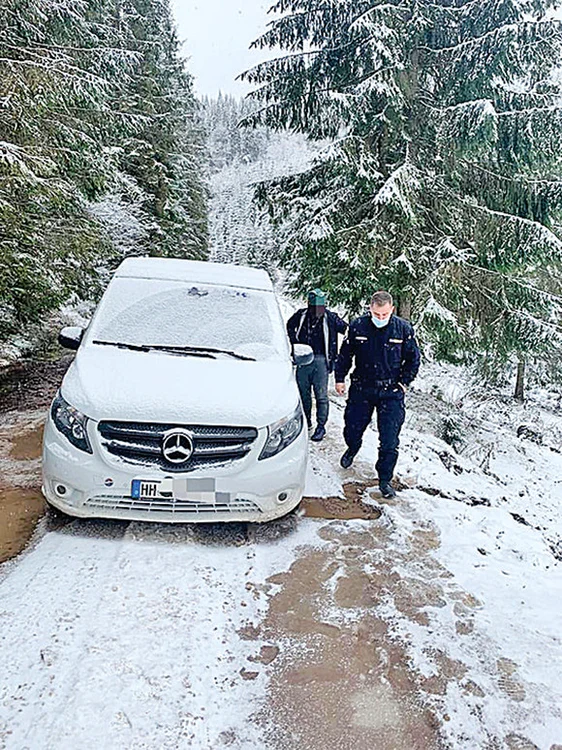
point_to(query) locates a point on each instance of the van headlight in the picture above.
(71, 422)
(282, 433)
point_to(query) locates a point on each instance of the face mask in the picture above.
(380, 323)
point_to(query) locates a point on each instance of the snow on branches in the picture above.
(96, 109)
(443, 182)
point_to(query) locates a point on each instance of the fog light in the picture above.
(60, 489)
(282, 497)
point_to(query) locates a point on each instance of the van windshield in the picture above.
(159, 313)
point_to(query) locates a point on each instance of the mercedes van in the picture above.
(181, 403)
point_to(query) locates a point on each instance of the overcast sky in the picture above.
(216, 36)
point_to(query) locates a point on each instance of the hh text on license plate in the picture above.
(151, 489)
(185, 489)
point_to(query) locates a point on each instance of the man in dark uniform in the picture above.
(387, 359)
(319, 328)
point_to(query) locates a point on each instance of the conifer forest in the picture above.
(404, 145)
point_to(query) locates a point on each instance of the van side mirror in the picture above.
(70, 337)
(302, 354)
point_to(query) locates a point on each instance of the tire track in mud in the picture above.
(341, 675)
(337, 676)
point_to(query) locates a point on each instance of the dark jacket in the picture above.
(381, 354)
(332, 325)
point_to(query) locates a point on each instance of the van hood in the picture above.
(120, 385)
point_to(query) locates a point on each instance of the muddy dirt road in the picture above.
(340, 626)
(26, 391)
(322, 693)
(191, 620)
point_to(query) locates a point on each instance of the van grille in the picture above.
(141, 443)
(178, 508)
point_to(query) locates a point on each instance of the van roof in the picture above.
(176, 269)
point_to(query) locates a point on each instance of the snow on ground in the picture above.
(129, 636)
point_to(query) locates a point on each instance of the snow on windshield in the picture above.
(168, 313)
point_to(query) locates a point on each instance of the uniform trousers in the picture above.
(388, 401)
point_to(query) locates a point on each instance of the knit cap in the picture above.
(317, 297)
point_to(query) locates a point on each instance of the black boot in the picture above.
(347, 459)
(387, 490)
(319, 434)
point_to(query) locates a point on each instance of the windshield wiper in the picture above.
(148, 348)
(119, 345)
(196, 351)
(204, 350)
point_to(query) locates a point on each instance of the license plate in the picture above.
(195, 490)
(148, 489)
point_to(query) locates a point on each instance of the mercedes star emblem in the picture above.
(177, 446)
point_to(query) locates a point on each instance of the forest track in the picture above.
(339, 625)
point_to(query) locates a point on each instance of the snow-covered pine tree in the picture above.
(228, 143)
(239, 158)
(442, 179)
(56, 61)
(165, 155)
(91, 92)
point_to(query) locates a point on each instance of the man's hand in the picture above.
(404, 387)
(340, 389)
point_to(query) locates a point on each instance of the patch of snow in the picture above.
(155, 312)
(160, 387)
(118, 642)
(123, 218)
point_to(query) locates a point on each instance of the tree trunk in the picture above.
(520, 382)
(405, 307)
(160, 198)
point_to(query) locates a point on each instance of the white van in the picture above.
(181, 403)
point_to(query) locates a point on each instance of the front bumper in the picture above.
(245, 490)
